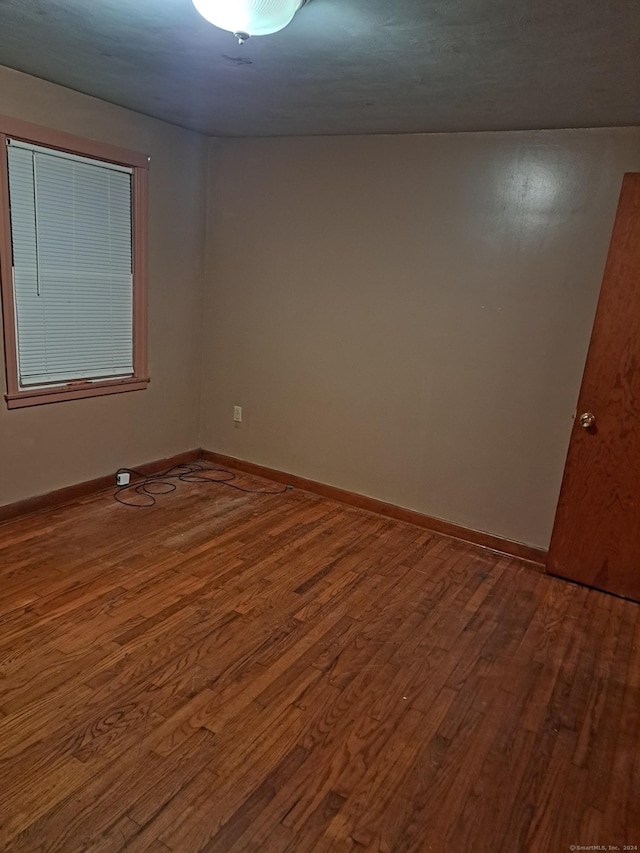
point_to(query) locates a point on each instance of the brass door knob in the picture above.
(587, 419)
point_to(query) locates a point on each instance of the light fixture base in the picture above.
(242, 37)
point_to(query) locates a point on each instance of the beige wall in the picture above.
(408, 317)
(48, 447)
(405, 317)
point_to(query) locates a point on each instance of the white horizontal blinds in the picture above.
(72, 256)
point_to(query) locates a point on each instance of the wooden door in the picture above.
(596, 536)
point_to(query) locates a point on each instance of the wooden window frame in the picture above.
(16, 396)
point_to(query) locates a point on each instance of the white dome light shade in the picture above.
(253, 17)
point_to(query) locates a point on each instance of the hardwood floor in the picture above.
(233, 672)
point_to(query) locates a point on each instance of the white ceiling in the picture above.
(343, 66)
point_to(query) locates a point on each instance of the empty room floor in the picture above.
(234, 672)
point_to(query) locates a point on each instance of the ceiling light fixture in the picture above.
(246, 18)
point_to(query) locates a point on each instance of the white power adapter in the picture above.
(123, 478)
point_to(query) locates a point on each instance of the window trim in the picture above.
(16, 396)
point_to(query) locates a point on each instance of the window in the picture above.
(73, 266)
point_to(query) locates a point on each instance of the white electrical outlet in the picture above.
(123, 478)
(237, 414)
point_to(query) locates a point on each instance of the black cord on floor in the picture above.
(151, 486)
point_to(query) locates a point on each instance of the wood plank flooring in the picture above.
(233, 672)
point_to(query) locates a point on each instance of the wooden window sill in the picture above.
(73, 391)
